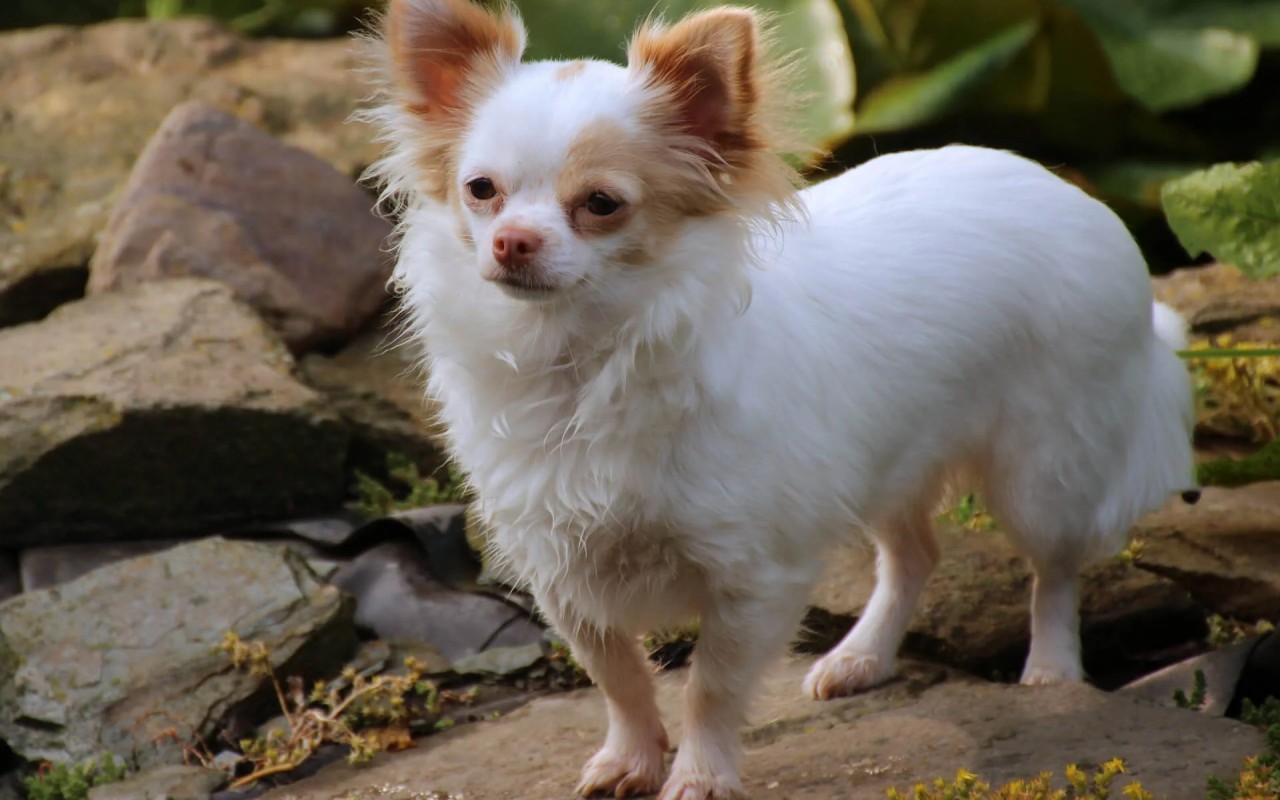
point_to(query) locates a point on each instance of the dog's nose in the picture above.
(515, 247)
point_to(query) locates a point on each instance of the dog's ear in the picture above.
(706, 67)
(441, 50)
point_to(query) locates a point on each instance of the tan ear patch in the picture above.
(439, 47)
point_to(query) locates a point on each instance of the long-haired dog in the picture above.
(675, 380)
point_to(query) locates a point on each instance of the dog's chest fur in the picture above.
(574, 481)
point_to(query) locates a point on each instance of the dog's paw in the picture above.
(622, 774)
(1044, 674)
(701, 787)
(837, 675)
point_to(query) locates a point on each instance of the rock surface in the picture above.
(214, 197)
(171, 782)
(1225, 550)
(1217, 298)
(374, 384)
(975, 609)
(110, 661)
(398, 597)
(850, 749)
(77, 105)
(157, 412)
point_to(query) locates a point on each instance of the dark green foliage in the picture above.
(72, 782)
(407, 488)
(1198, 688)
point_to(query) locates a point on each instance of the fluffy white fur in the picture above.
(688, 436)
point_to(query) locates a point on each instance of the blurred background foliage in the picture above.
(1132, 99)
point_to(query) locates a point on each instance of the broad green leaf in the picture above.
(908, 100)
(809, 30)
(1164, 63)
(1231, 211)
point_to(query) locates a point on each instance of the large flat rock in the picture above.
(109, 661)
(910, 731)
(79, 104)
(154, 412)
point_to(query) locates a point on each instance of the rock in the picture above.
(110, 661)
(169, 782)
(212, 196)
(974, 613)
(374, 384)
(397, 597)
(43, 567)
(1224, 550)
(1221, 669)
(850, 749)
(1219, 298)
(500, 660)
(156, 412)
(77, 105)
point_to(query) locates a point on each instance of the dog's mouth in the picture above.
(523, 288)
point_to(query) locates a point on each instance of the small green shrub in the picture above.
(72, 782)
(1199, 686)
(408, 488)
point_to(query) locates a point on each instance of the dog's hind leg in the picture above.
(906, 553)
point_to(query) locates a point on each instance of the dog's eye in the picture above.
(602, 205)
(481, 189)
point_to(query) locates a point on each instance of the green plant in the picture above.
(1259, 779)
(968, 512)
(366, 715)
(1196, 701)
(407, 489)
(1225, 631)
(1081, 786)
(1231, 211)
(73, 781)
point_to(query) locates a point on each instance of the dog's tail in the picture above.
(1170, 326)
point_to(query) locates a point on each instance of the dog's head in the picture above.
(562, 173)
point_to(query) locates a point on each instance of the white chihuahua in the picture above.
(674, 380)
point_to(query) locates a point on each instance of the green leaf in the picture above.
(908, 100)
(1166, 63)
(1231, 211)
(808, 30)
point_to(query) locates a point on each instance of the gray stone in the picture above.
(397, 597)
(169, 782)
(77, 105)
(1221, 669)
(500, 660)
(155, 412)
(110, 661)
(43, 567)
(910, 731)
(212, 196)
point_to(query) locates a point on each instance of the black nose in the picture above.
(1191, 496)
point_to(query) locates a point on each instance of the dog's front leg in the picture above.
(631, 760)
(737, 638)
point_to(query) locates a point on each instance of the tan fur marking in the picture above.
(446, 55)
(570, 71)
(717, 89)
